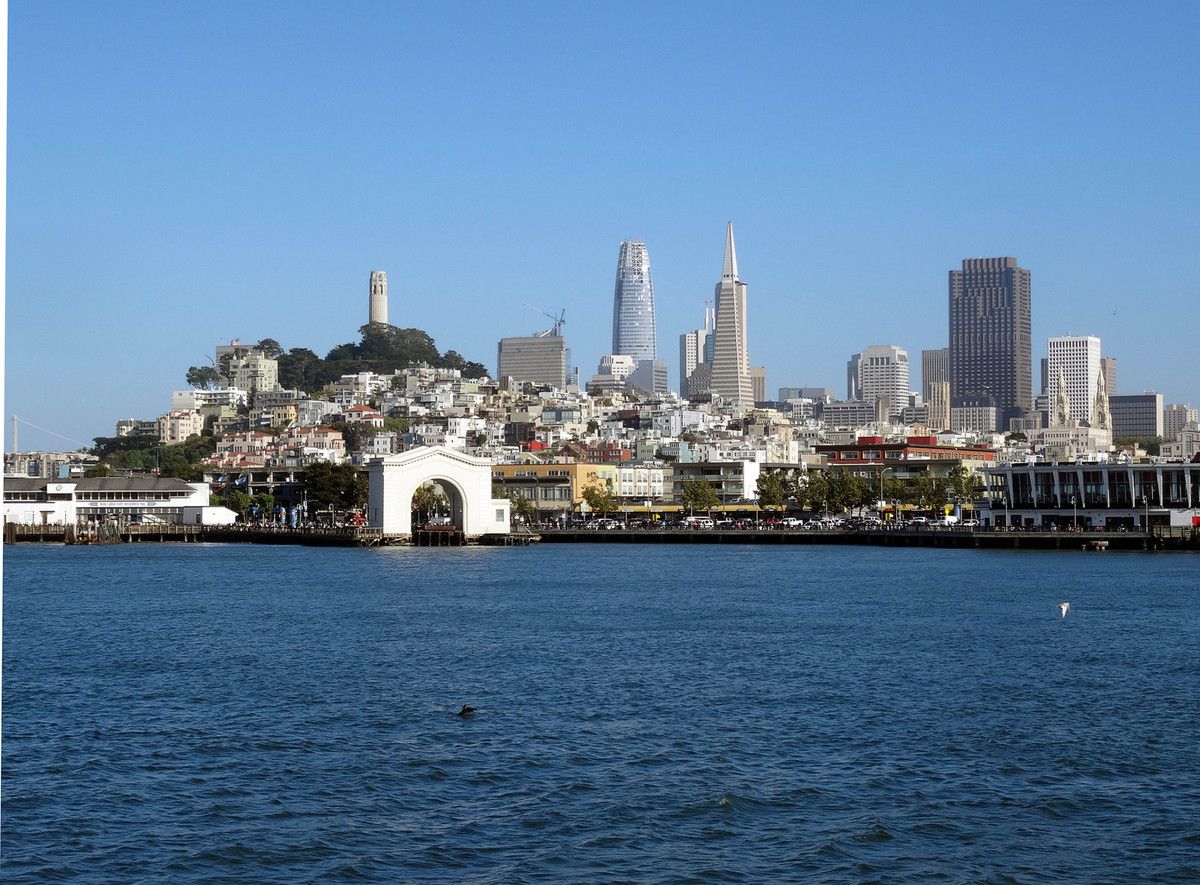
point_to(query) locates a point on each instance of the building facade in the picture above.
(1177, 416)
(1137, 415)
(1075, 359)
(935, 368)
(883, 373)
(633, 304)
(990, 336)
(537, 359)
(1108, 365)
(730, 364)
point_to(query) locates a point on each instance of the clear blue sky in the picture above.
(181, 174)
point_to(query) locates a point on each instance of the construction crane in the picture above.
(560, 320)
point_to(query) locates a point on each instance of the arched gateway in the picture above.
(467, 482)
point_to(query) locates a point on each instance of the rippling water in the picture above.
(203, 713)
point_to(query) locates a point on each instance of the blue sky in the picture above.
(180, 175)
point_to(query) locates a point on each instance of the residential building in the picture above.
(1137, 415)
(252, 370)
(48, 465)
(990, 336)
(136, 427)
(730, 364)
(177, 426)
(633, 304)
(651, 377)
(540, 360)
(198, 398)
(849, 414)
(821, 394)
(734, 481)
(1075, 360)
(935, 368)
(378, 304)
(1177, 416)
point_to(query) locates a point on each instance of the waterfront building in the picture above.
(633, 304)
(1108, 364)
(990, 336)
(540, 360)
(115, 499)
(555, 490)
(882, 373)
(730, 364)
(1137, 415)
(377, 307)
(1109, 495)
(734, 481)
(1177, 416)
(878, 451)
(935, 368)
(1075, 361)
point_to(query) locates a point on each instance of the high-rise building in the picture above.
(1075, 359)
(758, 383)
(1137, 414)
(939, 406)
(378, 307)
(853, 379)
(730, 364)
(693, 348)
(990, 337)
(1176, 416)
(538, 359)
(883, 374)
(935, 367)
(1108, 364)
(633, 304)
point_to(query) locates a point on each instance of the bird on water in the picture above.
(465, 711)
(1064, 607)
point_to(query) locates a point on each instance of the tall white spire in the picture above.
(729, 271)
(730, 364)
(378, 307)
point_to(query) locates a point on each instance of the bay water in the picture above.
(201, 713)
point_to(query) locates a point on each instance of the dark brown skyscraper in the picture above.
(991, 337)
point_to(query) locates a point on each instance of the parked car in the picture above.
(697, 522)
(970, 523)
(791, 522)
(918, 520)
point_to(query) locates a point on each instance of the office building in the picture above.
(990, 336)
(378, 306)
(758, 383)
(823, 394)
(1075, 359)
(935, 367)
(882, 374)
(853, 379)
(693, 347)
(730, 364)
(537, 359)
(939, 406)
(633, 304)
(1137, 415)
(1108, 365)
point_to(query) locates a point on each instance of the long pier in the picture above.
(984, 539)
(247, 534)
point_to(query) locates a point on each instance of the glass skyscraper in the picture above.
(633, 304)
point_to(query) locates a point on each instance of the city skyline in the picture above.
(852, 200)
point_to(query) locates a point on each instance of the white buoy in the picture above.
(1064, 607)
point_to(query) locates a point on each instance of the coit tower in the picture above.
(378, 308)
(633, 304)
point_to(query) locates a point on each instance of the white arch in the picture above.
(396, 478)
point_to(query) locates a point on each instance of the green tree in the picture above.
(270, 348)
(772, 489)
(204, 377)
(337, 486)
(696, 494)
(237, 501)
(298, 369)
(97, 471)
(601, 499)
(929, 492)
(427, 502)
(266, 503)
(961, 484)
(593, 427)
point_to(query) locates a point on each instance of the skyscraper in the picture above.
(990, 337)
(935, 367)
(540, 359)
(378, 308)
(633, 304)
(883, 374)
(1109, 366)
(693, 350)
(1075, 361)
(730, 365)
